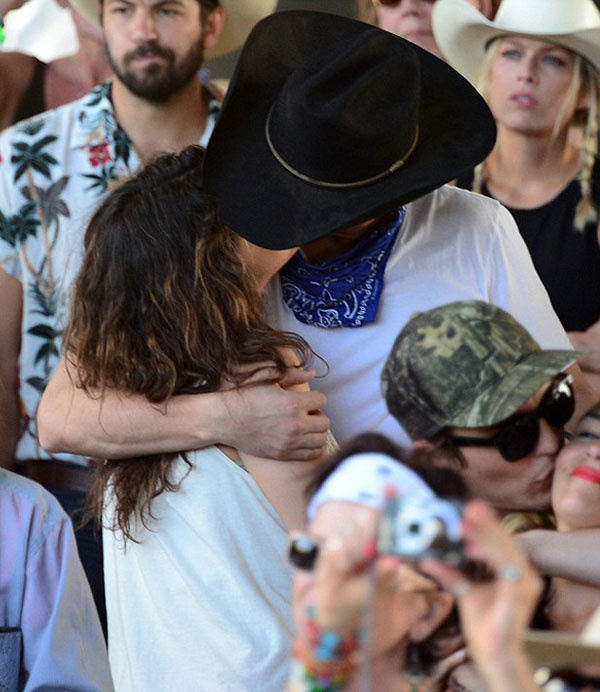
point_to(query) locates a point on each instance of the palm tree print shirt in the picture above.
(54, 171)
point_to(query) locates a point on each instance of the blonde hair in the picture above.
(367, 12)
(585, 76)
(519, 522)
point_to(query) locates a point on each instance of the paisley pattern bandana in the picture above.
(343, 291)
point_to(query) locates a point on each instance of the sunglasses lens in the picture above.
(519, 439)
(303, 552)
(560, 405)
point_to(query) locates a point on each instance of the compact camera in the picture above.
(420, 526)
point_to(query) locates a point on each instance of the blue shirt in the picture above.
(45, 594)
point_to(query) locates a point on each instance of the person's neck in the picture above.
(526, 171)
(160, 127)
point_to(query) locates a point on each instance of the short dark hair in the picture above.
(208, 6)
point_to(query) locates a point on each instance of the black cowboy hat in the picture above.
(330, 122)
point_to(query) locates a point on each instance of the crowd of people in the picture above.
(299, 384)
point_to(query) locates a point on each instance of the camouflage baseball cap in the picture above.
(466, 364)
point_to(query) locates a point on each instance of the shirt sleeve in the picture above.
(514, 285)
(63, 644)
(9, 255)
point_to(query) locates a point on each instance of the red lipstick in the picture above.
(587, 473)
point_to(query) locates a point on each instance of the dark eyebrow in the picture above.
(163, 3)
(591, 414)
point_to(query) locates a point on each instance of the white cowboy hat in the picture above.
(463, 34)
(242, 15)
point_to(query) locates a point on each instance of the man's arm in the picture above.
(11, 302)
(264, 420)
(558, 553)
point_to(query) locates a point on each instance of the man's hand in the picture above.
(275, 422)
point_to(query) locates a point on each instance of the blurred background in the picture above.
(221, 68)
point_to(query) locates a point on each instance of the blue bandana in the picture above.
(343, 291)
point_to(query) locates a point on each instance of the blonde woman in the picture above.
(537, 65)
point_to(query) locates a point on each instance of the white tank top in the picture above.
(203, 603)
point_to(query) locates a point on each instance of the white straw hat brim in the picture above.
(242, 15)
(463, 34)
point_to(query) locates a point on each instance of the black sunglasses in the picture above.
(519, 437)
(303, 550)
(392, 3)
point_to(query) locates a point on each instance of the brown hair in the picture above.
(163, 305)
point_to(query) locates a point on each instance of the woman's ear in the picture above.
(439, 605)
(213, 26)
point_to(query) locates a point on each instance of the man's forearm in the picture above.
(558, 553)
(267, 421)
(113, 424)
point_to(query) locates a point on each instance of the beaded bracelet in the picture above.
(322, 661)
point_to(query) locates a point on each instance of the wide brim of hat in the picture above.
(512, 391)
(241, 17)
(273, 208)
(463, 35)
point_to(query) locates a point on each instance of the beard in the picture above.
(158, 80)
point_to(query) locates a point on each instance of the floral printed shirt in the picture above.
(54, 171)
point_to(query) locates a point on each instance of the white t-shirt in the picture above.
(453, 245)
(203, 603)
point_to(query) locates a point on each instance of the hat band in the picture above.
(322, 183)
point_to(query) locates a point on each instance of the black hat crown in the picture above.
(334, 122)
(329, 122)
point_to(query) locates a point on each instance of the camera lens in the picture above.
(304, 551)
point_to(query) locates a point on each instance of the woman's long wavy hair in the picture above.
(163, 305)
